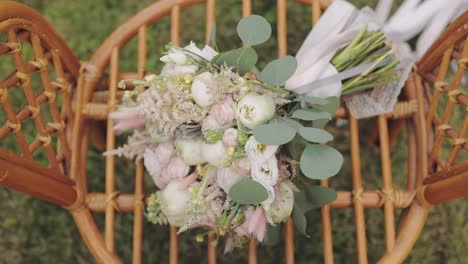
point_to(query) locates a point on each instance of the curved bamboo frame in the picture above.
(429, 178)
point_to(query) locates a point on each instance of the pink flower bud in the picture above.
(230, 137)
(176, 169)
(164, 152)
(224, 111)
(242, 166)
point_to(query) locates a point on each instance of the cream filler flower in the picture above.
(255, 109)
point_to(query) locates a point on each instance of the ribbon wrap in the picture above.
(340, 24)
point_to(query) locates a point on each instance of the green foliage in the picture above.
(274, 133)
(248, 191)
(278, 71)
(242, 59)
(320, 162)
(254, 30)
(310, 114)
(315, 135)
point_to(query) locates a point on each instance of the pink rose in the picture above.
(230, 137)
(242, 166)
(224, 111)
(164, 152)
(176, 169)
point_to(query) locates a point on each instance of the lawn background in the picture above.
(32, 231)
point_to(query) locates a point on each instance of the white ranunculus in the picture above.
(207, 52)
(201, 89)
(282, 206)
(174, 201)
(266, 172)
(254, 109)
(226, 178)
(215, 154)
(258, 153)
(190, 151)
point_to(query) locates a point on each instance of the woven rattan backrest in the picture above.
(443, 80)
(40, 72)
(100, 96)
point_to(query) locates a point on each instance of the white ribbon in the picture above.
(316, 76)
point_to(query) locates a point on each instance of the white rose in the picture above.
(254, 109)
(190, 151)
(258, 153)
(282, 206)
(201, 89)
(266, 172)
(173, 202)
(215, 154)
(226, 178)
(207, 53)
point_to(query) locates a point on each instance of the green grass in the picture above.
(32, 231)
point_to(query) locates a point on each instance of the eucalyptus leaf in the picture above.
(286, 121)
(320, 123)
(274, 133)
(248, 191)
(278, 71)
(213, 35)
(310, 114)
(273, 235)
(315, 134)
(254, 30)
(300, 221)
(243, 59)
(332, 105)
(320, 161)
(312, 100)
(318, 196)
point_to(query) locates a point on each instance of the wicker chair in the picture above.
(75, 95)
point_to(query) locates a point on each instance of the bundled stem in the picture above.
(367, 48)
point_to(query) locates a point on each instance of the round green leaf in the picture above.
(316, 135)
(320, 162)
(248, 191)
(310, 114)
(318, 196)
(254, 30)
(332, 105)
(273, 235)
(287, 121)
(274, 133)
(243, 59)
(312, 100)
(278, 71)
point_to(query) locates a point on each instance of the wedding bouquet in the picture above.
(233, 148)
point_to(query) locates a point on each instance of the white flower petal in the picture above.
(258, 153)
